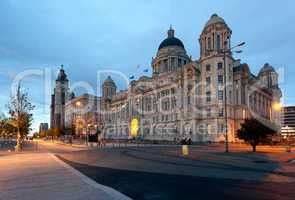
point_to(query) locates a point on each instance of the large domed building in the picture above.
(186, 98)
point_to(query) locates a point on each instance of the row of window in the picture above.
(219, 96)
(209, 112)
(218, 42)
(219, 80)
(165, 118)
(219, 66)
(165, 66)
(260, 103)
(202, 128)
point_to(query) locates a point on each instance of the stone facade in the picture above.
(185, 98)
(81, 113)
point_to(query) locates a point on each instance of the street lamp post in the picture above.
(277, 106)
(87, 134)
(225, 101)
(141, 111)
(78, 107)
(142, 115)
(225, 51)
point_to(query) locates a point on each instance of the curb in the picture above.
(114, 194)
(73, 145)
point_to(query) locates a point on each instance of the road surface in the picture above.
(159, 173)
(162, 173)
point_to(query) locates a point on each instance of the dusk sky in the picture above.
(90, 35)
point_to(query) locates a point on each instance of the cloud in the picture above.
(87, 36)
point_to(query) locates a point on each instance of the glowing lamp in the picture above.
(134, 127)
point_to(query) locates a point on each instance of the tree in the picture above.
(43, 134)
(254, 132)
(54, 132)
(20, 109)
(6, 128)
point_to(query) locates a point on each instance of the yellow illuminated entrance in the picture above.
(134, 127)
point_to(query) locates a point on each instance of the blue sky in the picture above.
(91, 35)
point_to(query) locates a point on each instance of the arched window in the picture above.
(269, 81)
(218, 42)
(179, 62)
(213, 42)
(165, 65)
(209, 43)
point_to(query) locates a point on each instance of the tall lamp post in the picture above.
(78, 109)
(277, 106)
(141, 111)
(87, 134)
(227, 51)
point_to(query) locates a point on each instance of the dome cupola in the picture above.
(109, 81)
(109, 88)
(171, 40)
(268, 76)
(214, 19)
(171, 55)
(215, 37)
(267, 68)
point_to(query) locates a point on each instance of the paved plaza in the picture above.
(39, 175)
(60, 171)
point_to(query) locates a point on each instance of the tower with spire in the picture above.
(59, 99)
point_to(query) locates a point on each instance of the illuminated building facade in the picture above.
(185, 97)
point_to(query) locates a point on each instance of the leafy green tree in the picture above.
(21, 118)
(254, 132)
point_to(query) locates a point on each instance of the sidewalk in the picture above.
(35, 176)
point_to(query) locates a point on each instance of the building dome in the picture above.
(109, 88)
(215, 19)
(109, 82)
(216, 35)
(266, 68)
(171, 40)
(171, 55)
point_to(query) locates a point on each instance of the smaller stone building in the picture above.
(82, 114)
